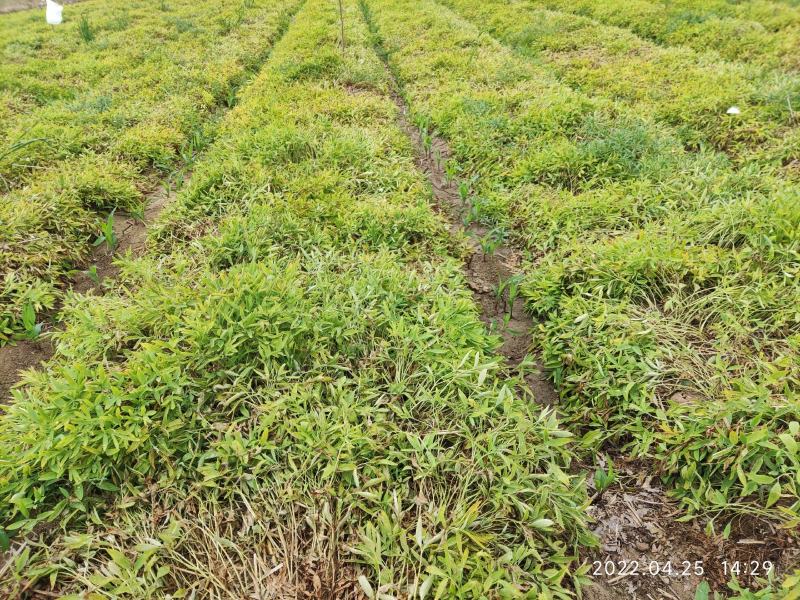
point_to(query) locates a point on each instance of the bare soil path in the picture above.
(485, 271)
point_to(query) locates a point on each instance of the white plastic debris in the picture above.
(733, 110)
(53, 13)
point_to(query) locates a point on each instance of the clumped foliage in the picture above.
(291, 392)
(87, 127)
(47, 227)
(666, 280)
(85, 30)
(765, 33)
(299, 365)
(690, 91)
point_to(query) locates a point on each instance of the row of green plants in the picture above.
(775, 15)
(126, 109)
(690, 91)
(138, 87)
(666, 281)
(294, 386)
(694, 304)
(763, 38)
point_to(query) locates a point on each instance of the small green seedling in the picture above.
(425, 135)
(463, 191)
(603, 479)
(137, 212)
(32, 328)
(492, 241)
(92, 274)
(437, 158)
(85, 30)
(107, 234)
(476, 211)
(427, 142)
(451, 170)
(230, 97)
(189, 149)
(510, 285)
(465, 188)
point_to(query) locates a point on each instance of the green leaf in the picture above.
(365, 585)
(702, 591)
(542, 523)
(789, 442)
(761, 479)
(119, 559)
(425, 587)
(774, 494)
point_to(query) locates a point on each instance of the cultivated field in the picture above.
(400, 299)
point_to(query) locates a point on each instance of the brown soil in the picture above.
(634, 520)
(23, 355)
(132, 236)
(645, 553)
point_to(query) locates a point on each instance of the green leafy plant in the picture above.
(296, 368)
(509, 290)
(604, 478)
(91, 272)
(493, 240)
(107, 233)
(32, 328)
(305, 347)
(85, 29)
(646, 296)
(71, 154)
(702, 592)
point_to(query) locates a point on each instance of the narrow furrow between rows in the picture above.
(492, 266)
